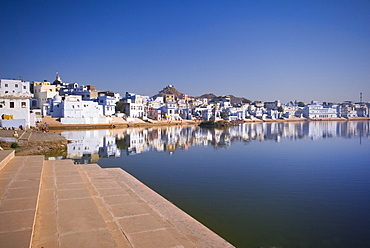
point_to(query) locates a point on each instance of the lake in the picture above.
(293, 184)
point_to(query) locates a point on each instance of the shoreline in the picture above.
(55, 125)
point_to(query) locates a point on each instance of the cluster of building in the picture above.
(23, 104)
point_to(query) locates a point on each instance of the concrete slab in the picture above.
(140, 223)
(15, 239)
(18, 200)
(104, 179)
(183, 227)
(67, 207)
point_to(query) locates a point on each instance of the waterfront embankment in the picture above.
(55, 124)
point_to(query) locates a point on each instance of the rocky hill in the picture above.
(234, 100)
(170, 89)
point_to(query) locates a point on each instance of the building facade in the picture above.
(15, 98)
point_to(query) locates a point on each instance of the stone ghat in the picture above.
(60, 204)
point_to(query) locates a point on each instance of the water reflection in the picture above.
(88, 146)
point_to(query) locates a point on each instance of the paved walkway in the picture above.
(31, 135)
(19, 190)
(60, 204)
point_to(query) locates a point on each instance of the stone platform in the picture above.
(61, 204)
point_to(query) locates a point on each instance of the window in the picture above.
(24, 87)
(16, 85)
(23, 104)
(11, 104)
(1, 106)
(6, 85)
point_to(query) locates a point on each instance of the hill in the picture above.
(170, 89)
(234, 100)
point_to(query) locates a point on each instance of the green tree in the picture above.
(120, 107)
(281, 109)
(225, 113)
(301, 104)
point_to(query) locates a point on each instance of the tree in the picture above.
(281, 109)
(225, 113)
(301, 104)
(120, 107)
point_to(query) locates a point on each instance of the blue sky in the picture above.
(261, 50)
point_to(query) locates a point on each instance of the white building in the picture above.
(316, 110)
(290, 110)
(170, 111)
(272, 105)
(73, 110)
(347, 110)
(43, 91)
(15, 98)
(108, 104)
(86, 92)
(135, 105)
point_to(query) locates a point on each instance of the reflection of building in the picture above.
(87, 146)
(172, 138)
(108, 147)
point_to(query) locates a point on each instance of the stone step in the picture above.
(25, 135)
(19, 191)
(185, 225)
(5, 157)
(133, 222)
(133, 218)
(67, 215)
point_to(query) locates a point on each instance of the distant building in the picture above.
(15, 98)
(117, 96)
(135, 105)
(316, 110)
(42, 91)
(290, 110)
(347, 110)
(272, 105)
(108, 104)
(170, 111)
(155, 114)
(58, 83)
(169, 98)
(86, 92)
(73, 110)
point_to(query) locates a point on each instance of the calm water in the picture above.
(257, 185)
